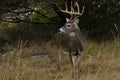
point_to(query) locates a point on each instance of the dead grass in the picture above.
(98, 62)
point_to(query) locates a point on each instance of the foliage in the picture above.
(100, 21)
(101, 16)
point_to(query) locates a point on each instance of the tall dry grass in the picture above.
(99, 61)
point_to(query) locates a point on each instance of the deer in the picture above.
(69, 39)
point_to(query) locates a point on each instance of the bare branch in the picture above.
(28, 10)
(24, 21)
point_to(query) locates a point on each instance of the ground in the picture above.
(99, 61)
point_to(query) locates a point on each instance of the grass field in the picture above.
(99, 61)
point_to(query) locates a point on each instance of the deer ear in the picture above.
(67, 20)
(76, 21)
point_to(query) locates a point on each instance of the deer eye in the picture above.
(68, 25)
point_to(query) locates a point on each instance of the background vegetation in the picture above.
(42, 18)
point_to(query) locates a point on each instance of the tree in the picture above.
(100, 20)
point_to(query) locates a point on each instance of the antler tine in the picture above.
(82, 10)
(72, 10)
(66, 6)
(79, 9)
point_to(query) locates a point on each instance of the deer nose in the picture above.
(61, 30)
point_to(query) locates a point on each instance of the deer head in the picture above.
(72, 24)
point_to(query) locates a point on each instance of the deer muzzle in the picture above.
(61, 30)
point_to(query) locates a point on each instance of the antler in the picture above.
(79, 9)
(72, 11)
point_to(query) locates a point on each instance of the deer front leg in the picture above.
(78, 65)
(73, 67)
(72, 59)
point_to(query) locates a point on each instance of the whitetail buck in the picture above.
(69, 39)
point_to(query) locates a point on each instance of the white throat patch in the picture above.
(72, 34)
